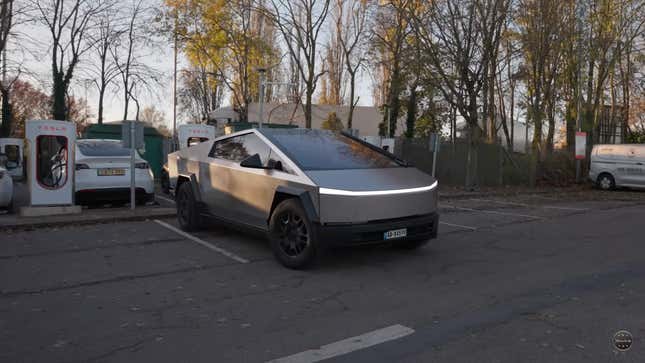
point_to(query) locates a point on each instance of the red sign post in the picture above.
(581, 145)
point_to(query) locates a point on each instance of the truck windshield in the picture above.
(102, 148)
(326, 150)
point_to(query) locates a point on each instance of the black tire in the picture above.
(187, 212)
(165, 182)
(606, 182)
(292, 236)
(412, 244)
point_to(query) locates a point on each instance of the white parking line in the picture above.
(164, 198)
(224, 252)
(459, 226)
(528, 205)
(348, 345)
(491, 212)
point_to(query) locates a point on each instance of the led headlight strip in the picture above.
(328, 191)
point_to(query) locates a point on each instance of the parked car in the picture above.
(102, 173)
(615, 166)
(6, 185)
(307, 189)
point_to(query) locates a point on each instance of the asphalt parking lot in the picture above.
(532, 277)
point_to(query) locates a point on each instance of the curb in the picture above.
(82, 222)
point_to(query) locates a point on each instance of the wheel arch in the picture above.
(181, 179)
(283, 193)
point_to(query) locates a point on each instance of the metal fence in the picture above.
(495, 166)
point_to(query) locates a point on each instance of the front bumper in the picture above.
(105, 195)
(418, 228)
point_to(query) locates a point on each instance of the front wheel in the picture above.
(292, 237)
(606, 181)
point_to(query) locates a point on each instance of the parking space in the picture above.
(146, 291)
(471, 214)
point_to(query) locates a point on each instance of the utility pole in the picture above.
(174, 88)
(263, 74)
(580, 15)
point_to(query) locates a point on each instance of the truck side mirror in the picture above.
(252, 161)
(3, 160)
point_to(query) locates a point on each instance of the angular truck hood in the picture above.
(361, 196)
(365, 180)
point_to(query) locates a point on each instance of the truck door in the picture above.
(243, 195)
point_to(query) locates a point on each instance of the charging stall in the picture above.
(193, 134)
(13, 149)
(50, 162)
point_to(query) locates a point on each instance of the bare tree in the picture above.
(333, 82)
(67, 22)
(390, 40)
(103, 71)
(459, 39)
(201, 93)
(6, 24)
(541, 23)
(354, 43)
(136, 75)
(300, 23)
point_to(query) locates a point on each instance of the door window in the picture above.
(241, 147)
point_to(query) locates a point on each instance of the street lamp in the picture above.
(263, 73)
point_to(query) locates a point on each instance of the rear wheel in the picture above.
(606, 181)
(187, 213)
(165, 182)
(292, 237)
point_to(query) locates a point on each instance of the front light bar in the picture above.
(328, 191)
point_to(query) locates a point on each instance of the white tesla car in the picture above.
(103, 173)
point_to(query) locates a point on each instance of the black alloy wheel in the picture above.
(293, 239)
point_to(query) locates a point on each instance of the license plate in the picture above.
(111, 172)
(395, 233)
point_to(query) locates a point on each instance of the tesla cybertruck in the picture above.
(306, 189)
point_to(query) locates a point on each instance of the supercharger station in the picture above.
(193, 134)
(50, 167)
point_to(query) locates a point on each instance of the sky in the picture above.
(31, 49)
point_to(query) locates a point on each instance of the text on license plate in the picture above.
(396, 233)
(110, 172)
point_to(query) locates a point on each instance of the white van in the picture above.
(618, 166)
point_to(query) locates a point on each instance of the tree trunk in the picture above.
(308, 107)
(352, 105)
(412, 112)
(551, 131)
(474, 134)
(537, 138)
(99, 119)
(7, 113)
(59, 106)
(492, 130)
